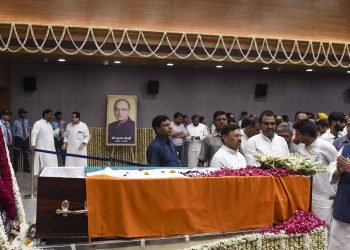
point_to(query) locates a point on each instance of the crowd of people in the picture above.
(236, 145)
(226, 144)
(48, 133)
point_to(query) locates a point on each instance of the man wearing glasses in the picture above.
(228, 155)
(123, 129)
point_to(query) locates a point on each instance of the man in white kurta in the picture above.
(323, 193)
(75, 139)
(228, 155)
(196, 132)
(266, 143)
(42, 137)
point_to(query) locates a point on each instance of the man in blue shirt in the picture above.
(21, 140)
(5, 125)
(161, 152)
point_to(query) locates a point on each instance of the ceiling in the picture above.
(136, 61)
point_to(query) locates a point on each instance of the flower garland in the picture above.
(253, 49)
(311, 235)
(19, 224)
(293, 162)
(7, 198)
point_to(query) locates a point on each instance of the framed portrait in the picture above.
(121, 126)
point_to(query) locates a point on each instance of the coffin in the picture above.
(54, 186)
(154, 207)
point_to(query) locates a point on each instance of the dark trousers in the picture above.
(23, 145)
(180, 152)
(58, 146)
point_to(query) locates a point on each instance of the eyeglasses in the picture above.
(122, 110)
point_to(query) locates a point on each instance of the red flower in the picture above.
(7, 199)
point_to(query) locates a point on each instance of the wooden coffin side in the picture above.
(51, 192)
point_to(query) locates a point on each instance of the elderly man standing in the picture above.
(42, 138)
(267, 142)
(196, 133)
(212, 142)
(285, 130)
(319, 150)
(75, 139)
(123, 129)
(228, 155)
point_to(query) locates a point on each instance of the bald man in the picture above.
(122, 131)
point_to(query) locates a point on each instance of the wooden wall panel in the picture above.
(334, 26)
(335, 5)
(298, 4)
(311, 20)
(65, 12)
(136, 14)
(209, 16)
(268, 21)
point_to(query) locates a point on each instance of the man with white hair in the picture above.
(285, 130)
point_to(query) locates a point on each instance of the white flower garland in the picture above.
(257, 45)
(316, 239)
(4, 242)
(19, 241)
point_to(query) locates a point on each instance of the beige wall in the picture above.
(302, 19)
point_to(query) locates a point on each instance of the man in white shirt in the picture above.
(323, 193)
(196, 132)
(228, 155)
(76, 137)
(178, 135)
(336, 122)
(42, 138)
(250, 127)
(267, 142)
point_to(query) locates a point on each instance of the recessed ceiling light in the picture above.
(219, 66)
(61, 60)
(170, 64)
(309, 70)
(46, 60)
(117, 62)
(265, 68)
(348, 71)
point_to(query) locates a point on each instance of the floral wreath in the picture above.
(10, 200)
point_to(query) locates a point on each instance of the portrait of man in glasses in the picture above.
(122, 131)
